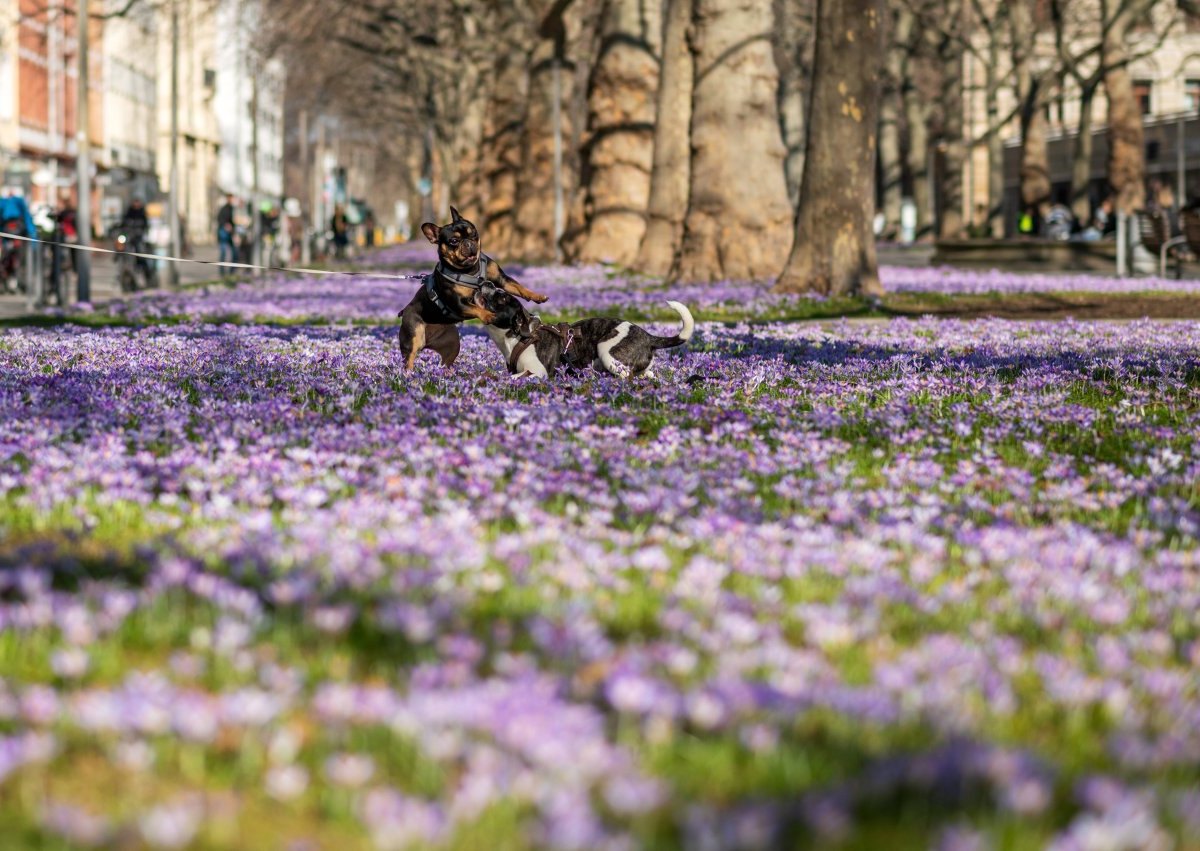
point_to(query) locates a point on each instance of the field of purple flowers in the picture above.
(903, 585)
(575, 291)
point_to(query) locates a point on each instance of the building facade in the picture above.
(1166, 76)
(129, 156)
(199, 143)
(38, 84)
(248, 100)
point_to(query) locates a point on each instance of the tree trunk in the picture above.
(533, 235)
(891, 165)
(503, 128)
(1035, 163)
(792, 46)
(916, 118)
(460, 106)
(995, 144)
(1081, 159)
(619, 150)
(1126, 139)
(670, 177)
(834, 251)
(1035, 154)
(739, 216)
(951, 223)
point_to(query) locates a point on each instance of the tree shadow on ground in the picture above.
(1097, 362)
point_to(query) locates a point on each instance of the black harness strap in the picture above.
(562, 330)
(474, 281)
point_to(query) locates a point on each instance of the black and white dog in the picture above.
(531, 347)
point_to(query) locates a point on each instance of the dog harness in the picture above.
(475, 282)
(562, 330)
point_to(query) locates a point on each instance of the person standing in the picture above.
(225, 232)
(340, 226)
(14, 218)
(369, 229)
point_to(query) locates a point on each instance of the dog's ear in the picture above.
(431, 232)
(456, 217)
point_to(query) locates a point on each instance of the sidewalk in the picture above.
(104, 281)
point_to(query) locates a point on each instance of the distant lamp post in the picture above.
(83, 163)
(173, 213)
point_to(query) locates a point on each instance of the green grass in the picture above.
(892, 305)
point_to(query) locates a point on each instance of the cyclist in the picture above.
(14, 218)
(136, 224)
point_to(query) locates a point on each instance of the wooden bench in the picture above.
(1156, 238)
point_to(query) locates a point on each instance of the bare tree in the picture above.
(951, 224)
(793, 55)
(891, 117)
(834, 250)
(1080, 30)
(671, 173)
(915, 86)
(618, 150)
(737, 223)
(499, 163)
(1126, 139)
(1031, 93)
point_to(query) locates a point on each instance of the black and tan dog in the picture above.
(454, 292)
(531, 347)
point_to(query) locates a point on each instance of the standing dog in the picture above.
(454, 292)
(530, 347)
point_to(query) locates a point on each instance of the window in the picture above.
(1142, 90)
(1191, 95)
(210, 78)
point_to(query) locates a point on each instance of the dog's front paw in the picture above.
(538, 298)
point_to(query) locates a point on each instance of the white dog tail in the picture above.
(685, 332)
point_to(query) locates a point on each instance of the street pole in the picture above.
(83, 164)
(1181, 163)
(176, 242)
(1122, 243)
(320, 211)
(255, 215)
(305, 185)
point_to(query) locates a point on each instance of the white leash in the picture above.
(294, 270)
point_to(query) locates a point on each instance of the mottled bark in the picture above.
(951, 222)
(670, 177)
(916, 120)
(1081, 159)
(1035, 162)
(503, 129)
(739, 216)
(1035, 155)
(1126, 139)
(533, 236)
(891, 165)
(464, 157)
(891, 152)
(834, 251)
(995, 144)
(618, 150)
(793, 55)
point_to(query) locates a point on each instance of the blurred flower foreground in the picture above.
(903, 585)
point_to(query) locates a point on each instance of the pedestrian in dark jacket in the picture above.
(340, 226)
(225, 232)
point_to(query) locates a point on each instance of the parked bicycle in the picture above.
(133, 273)
(58, 261)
